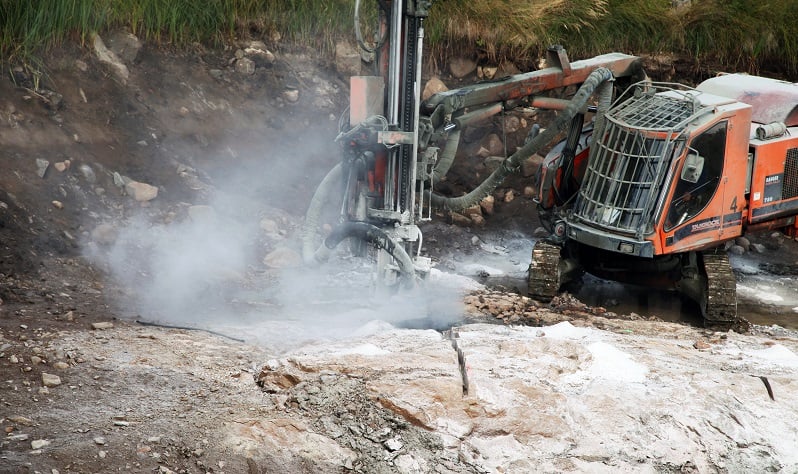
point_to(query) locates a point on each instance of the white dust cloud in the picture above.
(204, 266)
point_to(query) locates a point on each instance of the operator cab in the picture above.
(662, 174)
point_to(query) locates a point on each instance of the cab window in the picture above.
(699, 176)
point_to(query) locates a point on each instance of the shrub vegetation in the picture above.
(740, 34)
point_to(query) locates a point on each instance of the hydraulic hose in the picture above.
(513, 163)
(375, 236)
(360, 230)
(447, 156)
(312, 216)
(358, 33)
(604, 92)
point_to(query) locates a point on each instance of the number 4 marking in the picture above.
(733, 206)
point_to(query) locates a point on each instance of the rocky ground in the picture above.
(149, 186)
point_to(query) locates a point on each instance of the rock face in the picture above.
(255, 436)
(564, 399)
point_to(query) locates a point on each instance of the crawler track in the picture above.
(544, 271)
(720, 308)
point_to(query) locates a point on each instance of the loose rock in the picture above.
(393, 444)
(141, 192)
(493, 145)
(41, 167)
(487, 205)
(736, 250)
(50, 380)
(488, 72)
(743, 242)
(758, 248)
(21, 420)
(460, 219)
(125, 45)
(291, 95)
(472, 211)
(201, 213)
(531, 165)
(282, 258)
(461, 67)
(701, 345)
(512, 124)
(108, 57)
(269, 225)
(104, 234)
(39, 443)
(258, 53)
(245, 66)
(433, 86)
(88, 173)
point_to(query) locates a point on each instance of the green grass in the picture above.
(741, 34)
(31, 26)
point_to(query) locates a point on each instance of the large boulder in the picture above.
(462, 67)
(125, 45)
(110, 59)
(433, 86)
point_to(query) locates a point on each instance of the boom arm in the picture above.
(526, 86)
(391, 155)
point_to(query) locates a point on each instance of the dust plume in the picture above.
(212, 266)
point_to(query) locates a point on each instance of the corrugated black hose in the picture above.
(513, 163)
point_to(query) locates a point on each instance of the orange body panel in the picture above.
(774, 181)
(722, 217)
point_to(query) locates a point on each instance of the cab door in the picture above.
(705, 204)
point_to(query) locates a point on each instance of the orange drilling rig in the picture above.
(645, 186)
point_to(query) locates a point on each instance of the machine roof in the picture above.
(771, 100)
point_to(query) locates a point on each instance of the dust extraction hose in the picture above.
(313, 215)
(375, 236)
(447, 156)
(513, 163)
(359, 230)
